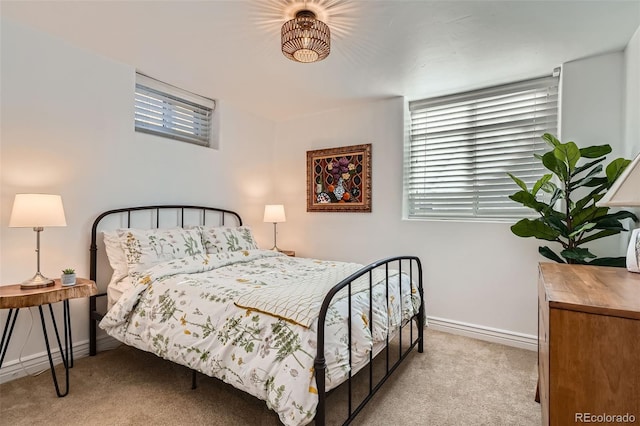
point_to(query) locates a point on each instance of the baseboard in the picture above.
(39, 363)
(505, 337)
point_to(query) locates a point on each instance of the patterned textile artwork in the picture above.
(339, 179)
(185, 310)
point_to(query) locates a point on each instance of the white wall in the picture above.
(592, 113)
(632, 108)
(632, 96)
(592, 101)
(67, 128)
(475, 273)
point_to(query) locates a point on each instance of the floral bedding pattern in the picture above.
(144, 248)
(217, 239)
(184, 310)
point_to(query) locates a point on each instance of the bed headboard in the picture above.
(146, 217)
(149, 217)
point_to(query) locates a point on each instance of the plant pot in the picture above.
(68, 279)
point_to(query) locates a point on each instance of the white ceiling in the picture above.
(229, 50)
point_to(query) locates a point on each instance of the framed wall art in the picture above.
(339, 179)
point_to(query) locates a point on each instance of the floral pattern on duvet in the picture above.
(183, 310)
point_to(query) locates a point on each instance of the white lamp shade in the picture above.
(274, 213)
(625, 191)
(37, 210)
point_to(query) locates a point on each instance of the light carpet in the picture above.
(456, 381)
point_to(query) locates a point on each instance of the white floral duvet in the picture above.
(185, 310)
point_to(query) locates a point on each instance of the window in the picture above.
(170, 112)
(462, 146)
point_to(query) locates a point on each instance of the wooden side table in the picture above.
(14, 298)
(291, 253)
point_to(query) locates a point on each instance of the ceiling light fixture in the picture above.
(305, 38)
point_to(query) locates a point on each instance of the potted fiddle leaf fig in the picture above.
(571, 216)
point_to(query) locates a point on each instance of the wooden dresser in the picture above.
(588, 343)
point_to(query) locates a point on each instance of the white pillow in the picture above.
(217, 239)
(144, 248)
(116, 256)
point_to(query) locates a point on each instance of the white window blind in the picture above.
(165, 110)
(462, 146)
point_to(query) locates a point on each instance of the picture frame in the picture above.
(339, 179)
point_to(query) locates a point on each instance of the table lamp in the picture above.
(37, 211)
(625, 192)
(274, 213)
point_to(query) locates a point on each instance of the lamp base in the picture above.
(633, 252)
(38, 281)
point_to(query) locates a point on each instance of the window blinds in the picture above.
(462, 146)
(165, 110)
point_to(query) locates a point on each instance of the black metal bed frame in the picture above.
(414, 271)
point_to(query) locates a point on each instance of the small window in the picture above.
(462, 146)
(170, 112)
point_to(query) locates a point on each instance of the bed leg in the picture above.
(421, 323)
(193, 379)
(92, 327)
(320, 366)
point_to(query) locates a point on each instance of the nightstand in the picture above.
(14, 298)
(291, 253)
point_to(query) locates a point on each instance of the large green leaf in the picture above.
(587, 178)
(549, 187)
(557, 194)
(551, 140)
(534, 228)
(618, 262)
(595, 151)
(568, 153)
(558, 167)
(582, 228)
(540, 183)
(597, 236)
(608, 223)
(615, 168)
(577, 253)
(528, 200)
(590, 213)
(557, 223)
(587, 166)
(519, 182)
(599, 181)
(619, 215)
(580, 204)
(550, 254)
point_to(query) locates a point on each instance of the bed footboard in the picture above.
(413, 268)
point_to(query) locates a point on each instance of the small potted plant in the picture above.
(68, 276)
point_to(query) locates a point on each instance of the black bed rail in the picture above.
(94, 315)
(320, 361)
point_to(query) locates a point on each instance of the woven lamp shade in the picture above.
(306, 39)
